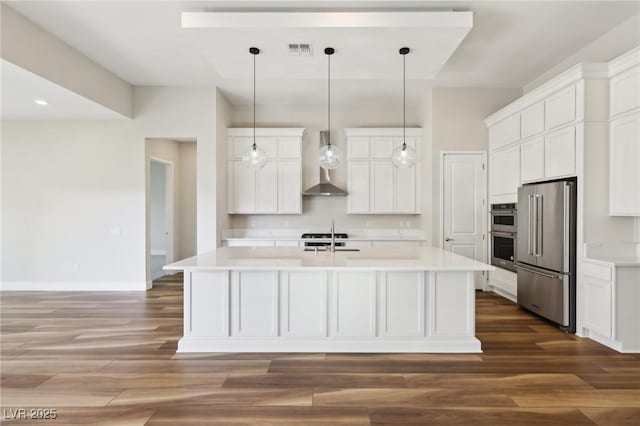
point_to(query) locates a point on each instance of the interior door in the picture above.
(464, 184)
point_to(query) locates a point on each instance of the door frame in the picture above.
(170, 209)
(485, 206)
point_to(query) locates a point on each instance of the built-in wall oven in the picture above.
(503, 235)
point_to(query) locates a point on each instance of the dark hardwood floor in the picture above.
(109, 358)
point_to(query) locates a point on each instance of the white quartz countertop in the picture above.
(616, 254)
(286, 258)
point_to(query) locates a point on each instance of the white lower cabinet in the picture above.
(610, 304)
(597, 305)
(504, 283)
(624, 165)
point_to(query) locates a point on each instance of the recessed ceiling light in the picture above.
(40, 102)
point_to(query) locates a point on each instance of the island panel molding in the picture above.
(287, 300)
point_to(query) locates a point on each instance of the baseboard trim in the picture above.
(75, 286)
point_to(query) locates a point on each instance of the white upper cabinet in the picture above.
(560, 153)
(532, 160)
(274, 189)
(504, 171)
(375, 186)
(625, 91)
(560, 108)
(624, 166)
(532, 120)
(505, 132)
(624, 135)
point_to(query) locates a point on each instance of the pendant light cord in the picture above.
(254, 102)
(404, 102)
(329, 100)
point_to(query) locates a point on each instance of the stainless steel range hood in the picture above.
(325, 188)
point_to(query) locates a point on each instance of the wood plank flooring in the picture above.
(109, 358)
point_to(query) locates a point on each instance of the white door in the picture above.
(464, 183)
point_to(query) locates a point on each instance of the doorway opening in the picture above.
(170, 204)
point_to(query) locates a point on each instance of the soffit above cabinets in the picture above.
(366, 43)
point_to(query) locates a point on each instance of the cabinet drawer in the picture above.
(532, 120)
(505, 132)
(560, 108)
(601, 272)
(625, 91)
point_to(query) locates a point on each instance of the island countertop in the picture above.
(295, 258)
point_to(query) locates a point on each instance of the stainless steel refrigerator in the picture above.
(546, 250)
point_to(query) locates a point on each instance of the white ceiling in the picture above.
(510, 44)
(21, 87)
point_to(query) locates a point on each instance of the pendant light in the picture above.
(330, 155)
(255, 157)
(404, 156)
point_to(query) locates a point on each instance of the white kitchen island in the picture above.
(280, 299)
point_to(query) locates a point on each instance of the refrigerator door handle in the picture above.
(539, 224)
(535, 271)
(530, 230)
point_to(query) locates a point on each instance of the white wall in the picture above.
(458, 125)
(187, 200)
(158, 207)
(223, 121)
(72, 194)
(69, 187)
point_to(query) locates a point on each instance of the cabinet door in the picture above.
(289, 147)
(505, 172)
(269, 144)
(266, 192)
(358, 147)
(405, 190)
(358, 198)
(505, 132)
(242, 189)
(560, 108)
(532, 160)
(381, 147)
(624, 169)
(382, 188)
(238, 145)
(560, 153)
(625, 91)
(598, 312)
(289, 179)
(532, 120)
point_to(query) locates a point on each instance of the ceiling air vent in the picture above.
(302, 49)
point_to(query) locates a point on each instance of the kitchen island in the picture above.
(281, 299)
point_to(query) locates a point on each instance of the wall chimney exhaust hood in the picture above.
(325, 187)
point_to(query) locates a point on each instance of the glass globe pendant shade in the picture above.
(330, 157)
(404, 156)
(255, 157)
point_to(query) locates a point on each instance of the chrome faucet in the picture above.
(332, 247)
